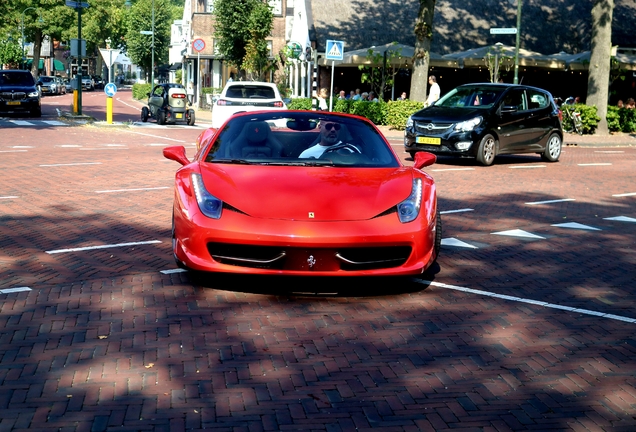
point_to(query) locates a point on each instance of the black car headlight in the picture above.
(209, 205)
(410, 207)
(468, 125)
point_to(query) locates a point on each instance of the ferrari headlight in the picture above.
(410, 207)
(209, 205)
(409, 122)
(468, 125)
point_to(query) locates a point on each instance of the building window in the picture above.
(210, 8)
(277, 7)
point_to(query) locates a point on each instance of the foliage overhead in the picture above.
(241, 28)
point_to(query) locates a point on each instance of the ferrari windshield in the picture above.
(483, 96)
(300, 138)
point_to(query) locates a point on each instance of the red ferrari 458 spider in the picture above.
(302, 193)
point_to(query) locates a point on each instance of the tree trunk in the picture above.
(37, 44)
(423, 36)
(600, 60)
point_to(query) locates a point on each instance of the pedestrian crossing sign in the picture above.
(335, 50)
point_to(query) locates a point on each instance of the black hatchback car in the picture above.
(18, 93)
(486, 120)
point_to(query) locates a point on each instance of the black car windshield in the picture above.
(298, 138)
(471, 97)
(16, 78)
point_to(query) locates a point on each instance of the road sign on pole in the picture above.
(335, 50)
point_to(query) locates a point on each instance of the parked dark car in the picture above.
(486, 120)
(19, 93)
(99, 82)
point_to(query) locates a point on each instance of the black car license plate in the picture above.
(427, 140)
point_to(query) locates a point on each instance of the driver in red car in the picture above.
(330, 142)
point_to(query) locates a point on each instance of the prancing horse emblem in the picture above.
(311, 261)
(311, 215)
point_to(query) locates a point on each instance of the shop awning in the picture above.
(29, 62)
(58, 65)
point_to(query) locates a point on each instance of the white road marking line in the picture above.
(12, 290)
(179, 270)
(131, 190)
(609, 151)
(457, 243)
(21, 122)
(102, 247)
(621, 219)
(528, 301)
(13, 151)
(625, 194)
(102, 148)
(526, 166)
(54, 123)
(595, 164)
(455, 211)
(550, 202)
(72, 164)
(518, 233)
(158, 137)
(455, 169)
(21, 147)
(8, 197)
(576, 225)
(68, 145)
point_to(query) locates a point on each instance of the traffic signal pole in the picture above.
(79, 60)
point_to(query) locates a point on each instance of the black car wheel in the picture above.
(161, 117)
(552, 149)
(144, 114)
(191, 117)
(412, 153)
(486, 150)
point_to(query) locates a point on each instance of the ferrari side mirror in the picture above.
(176, 153)
(424, 159)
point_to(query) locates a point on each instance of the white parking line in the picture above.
(595, 164)
(609, 151)
(131, 190)
(12, 290)
(455, 211)
(158, 137)
(455, 169)
(625, 194)
(8, 197)
(526, 166)
(550, 202)
(102, 247)
(13, 151)
(103, 148)
(179, 270)
(528, 301)
(73, 164)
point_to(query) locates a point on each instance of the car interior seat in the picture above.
(255, 141)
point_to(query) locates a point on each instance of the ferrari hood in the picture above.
(308, 193)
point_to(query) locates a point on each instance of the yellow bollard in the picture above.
(109, 110)
(75, 104)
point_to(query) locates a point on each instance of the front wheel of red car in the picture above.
(487, 150)
(552, 149)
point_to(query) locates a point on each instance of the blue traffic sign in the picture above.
(335, 50)
(110, 89)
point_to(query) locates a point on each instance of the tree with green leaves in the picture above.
(423, 37)
(139, 46)
(10, 53)
(241, 29)
(381, 72)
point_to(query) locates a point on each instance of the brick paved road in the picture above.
(104, 341)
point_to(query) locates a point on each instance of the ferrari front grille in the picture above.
(303, 259)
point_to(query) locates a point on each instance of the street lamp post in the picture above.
(22, 27)
(516, 78)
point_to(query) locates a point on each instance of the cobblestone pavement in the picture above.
(525, 324)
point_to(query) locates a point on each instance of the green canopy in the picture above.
(29, 62)
(58, 65)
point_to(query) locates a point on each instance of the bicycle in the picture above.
(574, 122)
